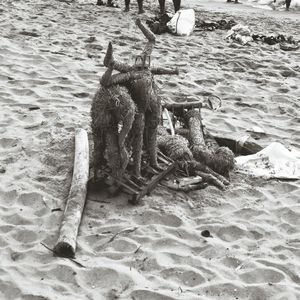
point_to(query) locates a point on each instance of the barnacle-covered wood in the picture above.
(66, 243)
(221, 161)
(150, 36)
(144, 94)
(112, 107)
(164, 71)
(177, 148)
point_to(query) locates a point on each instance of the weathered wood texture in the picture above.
(183, 105)
(242, 146)
(66, 243)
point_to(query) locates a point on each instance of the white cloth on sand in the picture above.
(183, 22)
(240, 33)
(274, 161)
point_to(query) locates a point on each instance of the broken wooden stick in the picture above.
(151, 185)
(170, 123)
(66, 243)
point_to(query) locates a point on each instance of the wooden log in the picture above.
(150, 37)
(220, 160)
(235, 142)
(194, 122)
(164, 71)
(66, 243)
(175, 147)
(183, 105)
(238, 144)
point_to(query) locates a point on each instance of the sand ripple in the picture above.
(51, 59)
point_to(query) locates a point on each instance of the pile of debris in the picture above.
(126, 118)
(206, 25)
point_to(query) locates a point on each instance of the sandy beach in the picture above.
(51, 59)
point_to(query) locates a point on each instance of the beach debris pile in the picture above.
(287, 43)
(181, 23)
(240, 33)
(126, 112)
(158, 24)
(274, 161)
(196, 152)
(209, 25)
(126, 115)
(243, 35)
(109, 3)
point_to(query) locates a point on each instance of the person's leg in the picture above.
(140, 5)
(162, 7)
(288, 3)
(176, 5)
(127, 2)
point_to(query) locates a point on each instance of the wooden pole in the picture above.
(183, 105)
(66, 243)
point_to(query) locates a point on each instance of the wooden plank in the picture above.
(150, 186)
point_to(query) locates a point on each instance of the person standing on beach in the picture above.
(140, 5)
(176, 4)
(162, 5)
(287, 4)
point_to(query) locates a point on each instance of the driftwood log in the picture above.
(243, 146)
(66, 243)
(177, 148)
(144, 93)
(183, 105)
(221, 161)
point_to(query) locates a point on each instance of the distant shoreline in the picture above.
(243, 8)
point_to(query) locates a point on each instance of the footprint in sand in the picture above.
(124, 244)
(31, 120)
(63, 273)
(153, 217)
(9, 197)
(25, 236)
(8, 143)
(262, 276)
(231, 233)
(102, 278)
(17, 219)
(184, 277)
(149, 295)
(32, 200)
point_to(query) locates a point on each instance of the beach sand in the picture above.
(51, 57)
